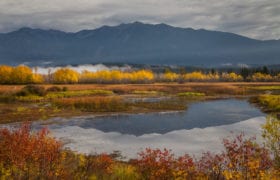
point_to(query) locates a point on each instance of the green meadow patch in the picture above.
(65, 94)
(190, 94)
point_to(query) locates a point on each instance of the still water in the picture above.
(199, 129)
(198, 115)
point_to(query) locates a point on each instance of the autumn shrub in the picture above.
(245, 159)
(91, 166)
(125, 172)
(54, 89)
(162, 164)
(102, 164)
(25, 155)
(210, 165)
(36, 155)
(32, 90)
(156, 164)
(271, 133)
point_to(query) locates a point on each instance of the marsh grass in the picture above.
(147, 92)
(276, 87)
(162, 105)
(117, 104)
(29, 98)
(270, 103)
(93, 104)
(24, 96)
(213, 88)
(65, 94)
(19, 112)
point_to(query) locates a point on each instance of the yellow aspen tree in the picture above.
(5, 73)
(65, 75)
(21, 75)
(170, 76)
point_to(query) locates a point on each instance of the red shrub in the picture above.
(29, 153)
(158, 164)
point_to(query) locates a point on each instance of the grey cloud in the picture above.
(258, 19)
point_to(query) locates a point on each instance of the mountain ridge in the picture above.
(135, 43)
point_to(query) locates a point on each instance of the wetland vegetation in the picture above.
(33, 102)
(242, 157)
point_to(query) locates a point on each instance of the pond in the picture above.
(199, 115)
(200, 128)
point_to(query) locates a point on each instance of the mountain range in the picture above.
(136, 43)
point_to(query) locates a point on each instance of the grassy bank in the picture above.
(268, 103)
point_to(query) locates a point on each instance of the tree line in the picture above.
(25, 75)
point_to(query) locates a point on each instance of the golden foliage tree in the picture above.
(21, 75)
(261, 77)
(231, 77)
(116, 76)
(170, 76)
(5, 73)
(65, 75)
(194, 76)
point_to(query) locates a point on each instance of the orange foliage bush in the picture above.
(245, 159)
(29, 154)
(157, 164)
(242, 159)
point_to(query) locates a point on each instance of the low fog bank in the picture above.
(80, 68)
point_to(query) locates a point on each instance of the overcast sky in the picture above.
(258, 19)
